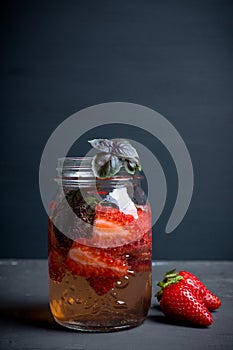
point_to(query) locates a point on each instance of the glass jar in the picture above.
(100, 249)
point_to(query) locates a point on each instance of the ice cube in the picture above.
(120, 197)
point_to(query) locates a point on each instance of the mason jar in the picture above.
(100, 249)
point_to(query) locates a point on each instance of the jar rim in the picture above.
(78, 168)
(69, 161)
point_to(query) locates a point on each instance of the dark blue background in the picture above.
(174, 56)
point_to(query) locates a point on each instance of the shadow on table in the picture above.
(34, 315)
(38, 315)
(168, 321)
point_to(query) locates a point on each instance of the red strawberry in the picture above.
(102, 284)
(180, 300)
(56, 265)
(134, 249)
(116, 237)
(211, 301)
(179, 303)
(113, 228)
(83, 260)
(56, 256)
(138, 254)
(51, 236)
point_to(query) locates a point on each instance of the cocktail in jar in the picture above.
(100, 249)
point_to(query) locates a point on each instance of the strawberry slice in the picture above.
(113, 228)
(101, 284)
(116, 236)
(83, 260)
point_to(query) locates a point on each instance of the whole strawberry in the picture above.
(211, 301)
(179, 301)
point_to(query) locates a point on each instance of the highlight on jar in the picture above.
(100, 241)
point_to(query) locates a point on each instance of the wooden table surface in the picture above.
(26, 322)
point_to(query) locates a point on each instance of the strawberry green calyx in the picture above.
(170, 278)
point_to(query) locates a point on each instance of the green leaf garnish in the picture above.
(102, 145)
(130, 166)
(122, 148)
(105, 165)
(113, 155)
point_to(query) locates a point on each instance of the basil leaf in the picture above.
(105, 165)
(124, 149)
(113, 154)
(135, 160)
(131, 166)
(102, 145)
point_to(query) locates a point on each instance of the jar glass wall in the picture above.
(100, 249)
